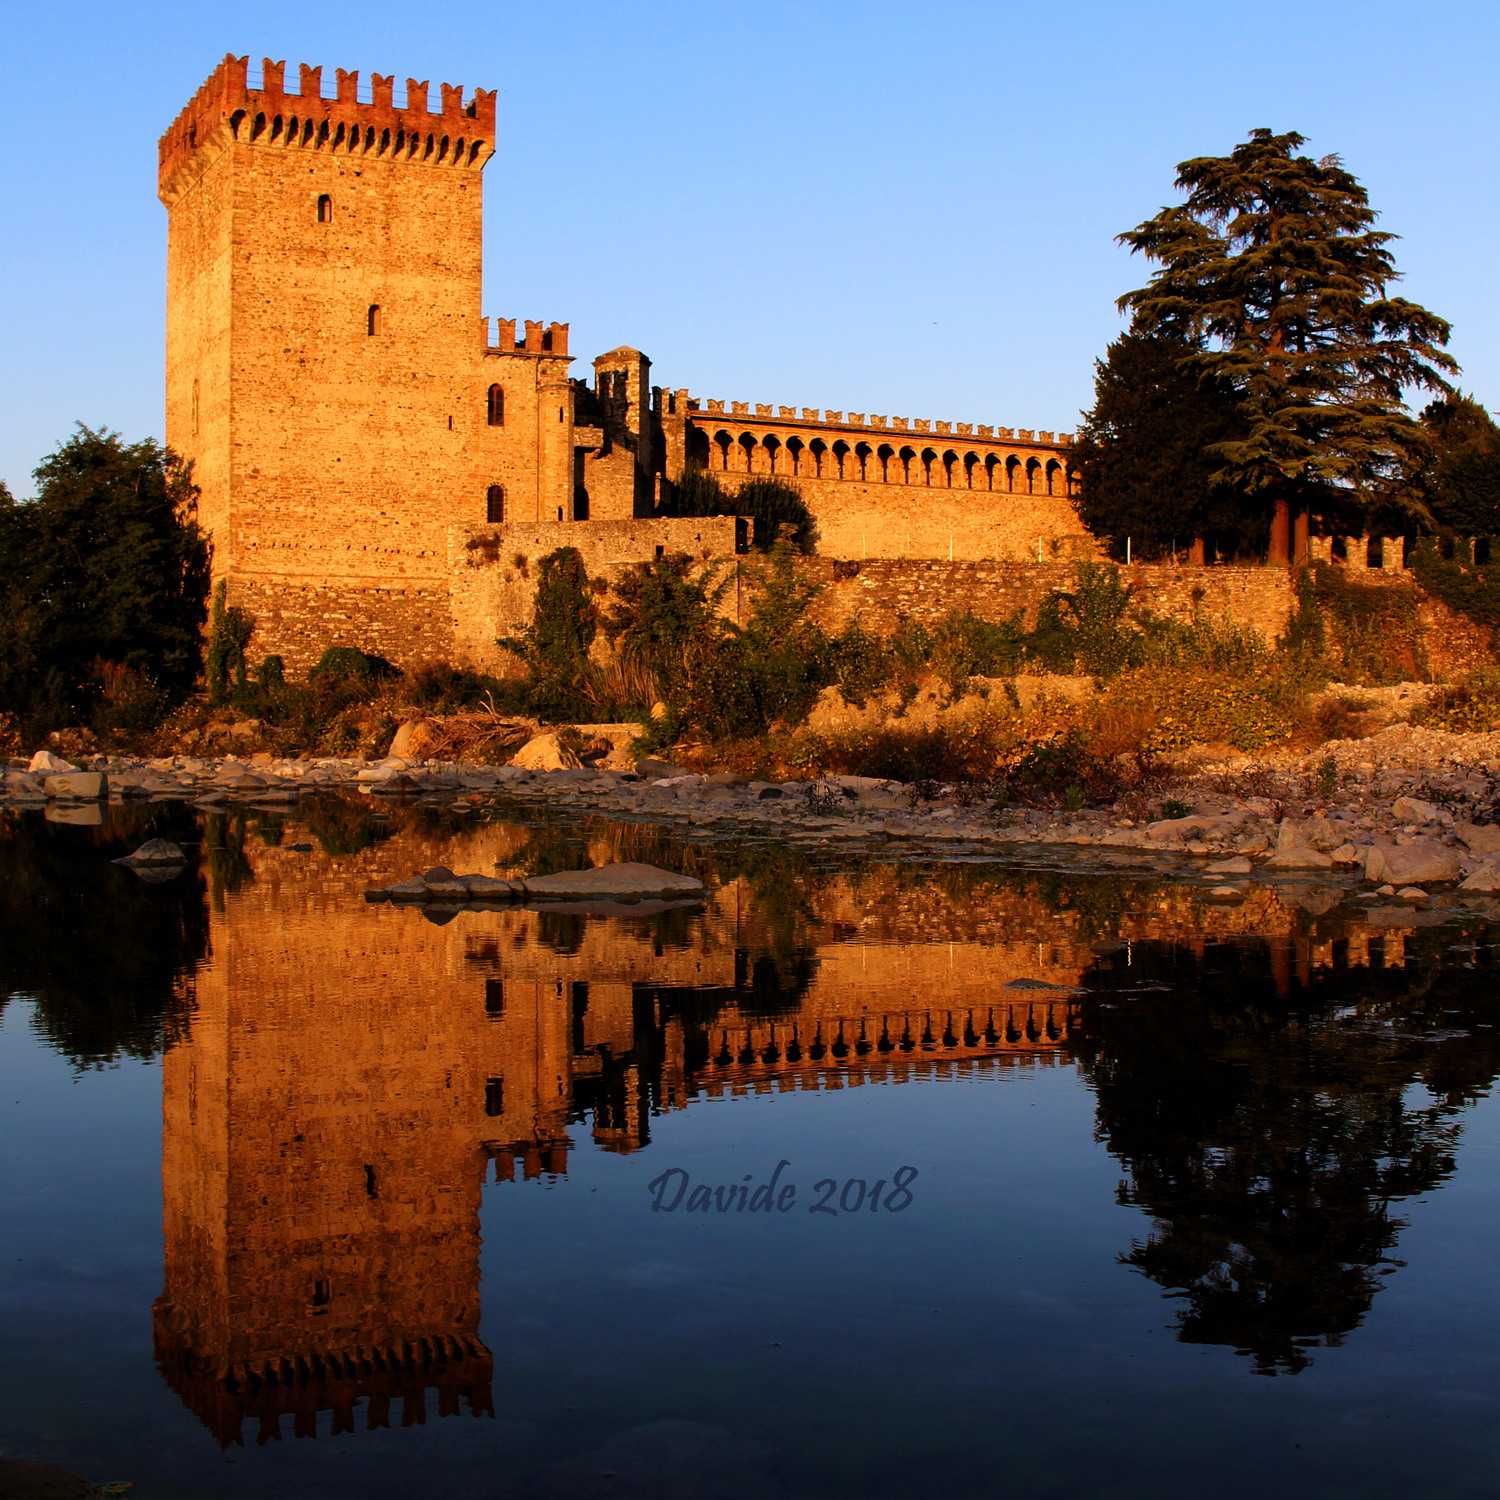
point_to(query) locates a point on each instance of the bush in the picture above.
(349, 666)
(1469, 707)
(224, 660)
(775, 509)
(441, 687)
(554, 648)
(1186, 706)
(129, 701)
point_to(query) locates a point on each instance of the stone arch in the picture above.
(495, 407)
(929, 457)
(906, 455)
(1053, 477)
(771, 444)
(723, 442)
(494, 505)
(840, 456)
(971, 463)
(992, 466)
(794, 451)
(1033, 475)
(1013, 474)
(885, 453)
(747, 448)
(862, 453)
(950, 464)
(819, 450)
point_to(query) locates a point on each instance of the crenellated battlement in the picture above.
(704, 410)
(538, 339)
(456, 135)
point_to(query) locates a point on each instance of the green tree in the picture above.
(774, 508)
(107, 565)
(555, 646)
(1462, 481)
(1276, 282)
(666, 614)
(1145, 453)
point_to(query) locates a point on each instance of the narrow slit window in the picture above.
(325, 209)
(322, 1293)
(372, 320)
(494, 1096)
(494, 504)
(495, 408)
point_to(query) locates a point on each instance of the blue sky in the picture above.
(906, 209)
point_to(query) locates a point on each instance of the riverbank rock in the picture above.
(416, 739)
(623, 882)
(545, 752)
(1416, 863)
(155, 852)
(1484, 877)
(77, 786)
(45, 760)
(440, 886)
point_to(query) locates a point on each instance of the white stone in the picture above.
(45, 760)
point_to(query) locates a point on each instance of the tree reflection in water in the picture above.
(1272, 1140)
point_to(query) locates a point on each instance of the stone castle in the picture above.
(379, 463)
(356, 425)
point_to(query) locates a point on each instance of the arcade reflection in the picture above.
(342, 1082)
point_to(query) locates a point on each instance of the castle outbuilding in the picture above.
(362, 435)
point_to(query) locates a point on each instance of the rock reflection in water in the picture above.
(340, 1081)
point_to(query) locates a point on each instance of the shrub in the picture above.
(1469, 707)
(224, 659)
(348, 665)
(555, 646)
(129, 701)
(667, 611)
(1186, 706)
(442, 688)
(775, 509)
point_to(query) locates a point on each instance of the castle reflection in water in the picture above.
(350, 1077)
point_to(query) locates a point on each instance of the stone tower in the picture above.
(328, 370)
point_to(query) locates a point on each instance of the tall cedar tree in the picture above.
(1276, 282)
(106, 565)
(1143, 453)
(1462, 483)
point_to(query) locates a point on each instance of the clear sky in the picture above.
(905, 209)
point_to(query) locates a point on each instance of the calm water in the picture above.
(1131, 1194)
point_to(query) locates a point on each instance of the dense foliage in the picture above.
(1274, 282)
(103, 586)
(1145, 454)
(774, 508)
(1461, 483)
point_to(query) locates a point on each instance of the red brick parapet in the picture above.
(457, 135)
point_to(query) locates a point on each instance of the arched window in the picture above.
(372, 320)
(494, 504)
(325, 209)
(495, 409)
